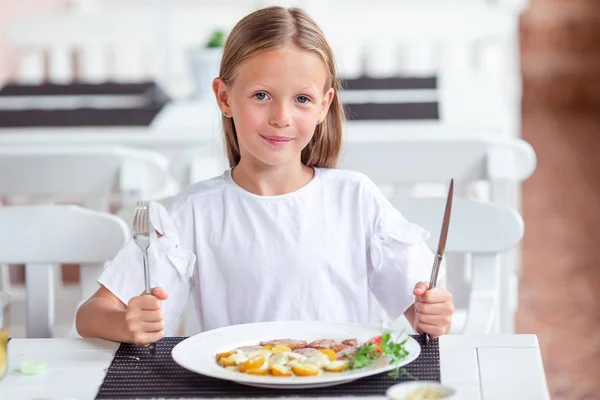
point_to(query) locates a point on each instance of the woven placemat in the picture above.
(134, 373)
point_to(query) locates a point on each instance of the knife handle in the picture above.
(151, 346)
(437, 261)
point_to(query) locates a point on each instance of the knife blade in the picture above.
(437, 260)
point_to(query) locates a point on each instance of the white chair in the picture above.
(390, 155)
(40, 236)
(490, 168)
(192, 153)
(482, 231)
(89, 173)
(85, 175)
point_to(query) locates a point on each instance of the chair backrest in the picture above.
(476, 227)
(480, 230)
(85, 172)
(192, 154)
(487, 167)
(388, 156)
(42, 235)
(59, 234)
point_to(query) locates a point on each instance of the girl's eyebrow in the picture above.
(254, 85)
(260, 85)
(308, 89)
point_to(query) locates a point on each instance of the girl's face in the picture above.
(276, 100)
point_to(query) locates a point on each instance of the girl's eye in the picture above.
(303, 99)
(261, 96)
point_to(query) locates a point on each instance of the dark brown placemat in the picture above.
(134, 373)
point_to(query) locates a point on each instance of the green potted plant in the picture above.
(204, 63)
(217, 39)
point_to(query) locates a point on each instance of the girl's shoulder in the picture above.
(204, 188)
(345, 179)
(357, 187)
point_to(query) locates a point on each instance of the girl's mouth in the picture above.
(277, 141)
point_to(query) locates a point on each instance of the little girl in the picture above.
(282, 235)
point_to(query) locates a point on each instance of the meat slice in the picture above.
(339, 347)
(351, 342)
(328, 344)
(322, 344)
(347, 352)
(291, 343)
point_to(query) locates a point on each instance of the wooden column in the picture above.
(560, 281)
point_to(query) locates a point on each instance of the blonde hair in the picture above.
(273, 27)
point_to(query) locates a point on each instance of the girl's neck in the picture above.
(266, 180)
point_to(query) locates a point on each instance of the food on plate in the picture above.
(329, 344)
(305, 369)
(249, 348)
(426, 393)
(281, 370)
(307, 351)
(291, 343)
(291, 357)
(346, 352)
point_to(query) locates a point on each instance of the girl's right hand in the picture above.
(144, 317)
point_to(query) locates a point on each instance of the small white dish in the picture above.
(403, 391)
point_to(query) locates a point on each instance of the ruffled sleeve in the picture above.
(169, 244)
(398, 257)
(171, 268)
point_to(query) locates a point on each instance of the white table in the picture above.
(480, 367)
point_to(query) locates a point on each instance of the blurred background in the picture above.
(517, 80)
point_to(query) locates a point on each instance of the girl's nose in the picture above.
(280, 116)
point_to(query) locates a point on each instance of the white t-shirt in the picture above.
(313, 254)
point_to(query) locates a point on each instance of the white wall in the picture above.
(9, 10)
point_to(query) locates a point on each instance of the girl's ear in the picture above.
(220, 90)
(327, 99)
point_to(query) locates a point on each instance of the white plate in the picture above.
(197, 353)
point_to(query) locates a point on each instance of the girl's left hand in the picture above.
(433, 310)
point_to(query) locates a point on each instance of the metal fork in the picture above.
(141, 237)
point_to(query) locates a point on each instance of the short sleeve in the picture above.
(398, 258)
(171, 267)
